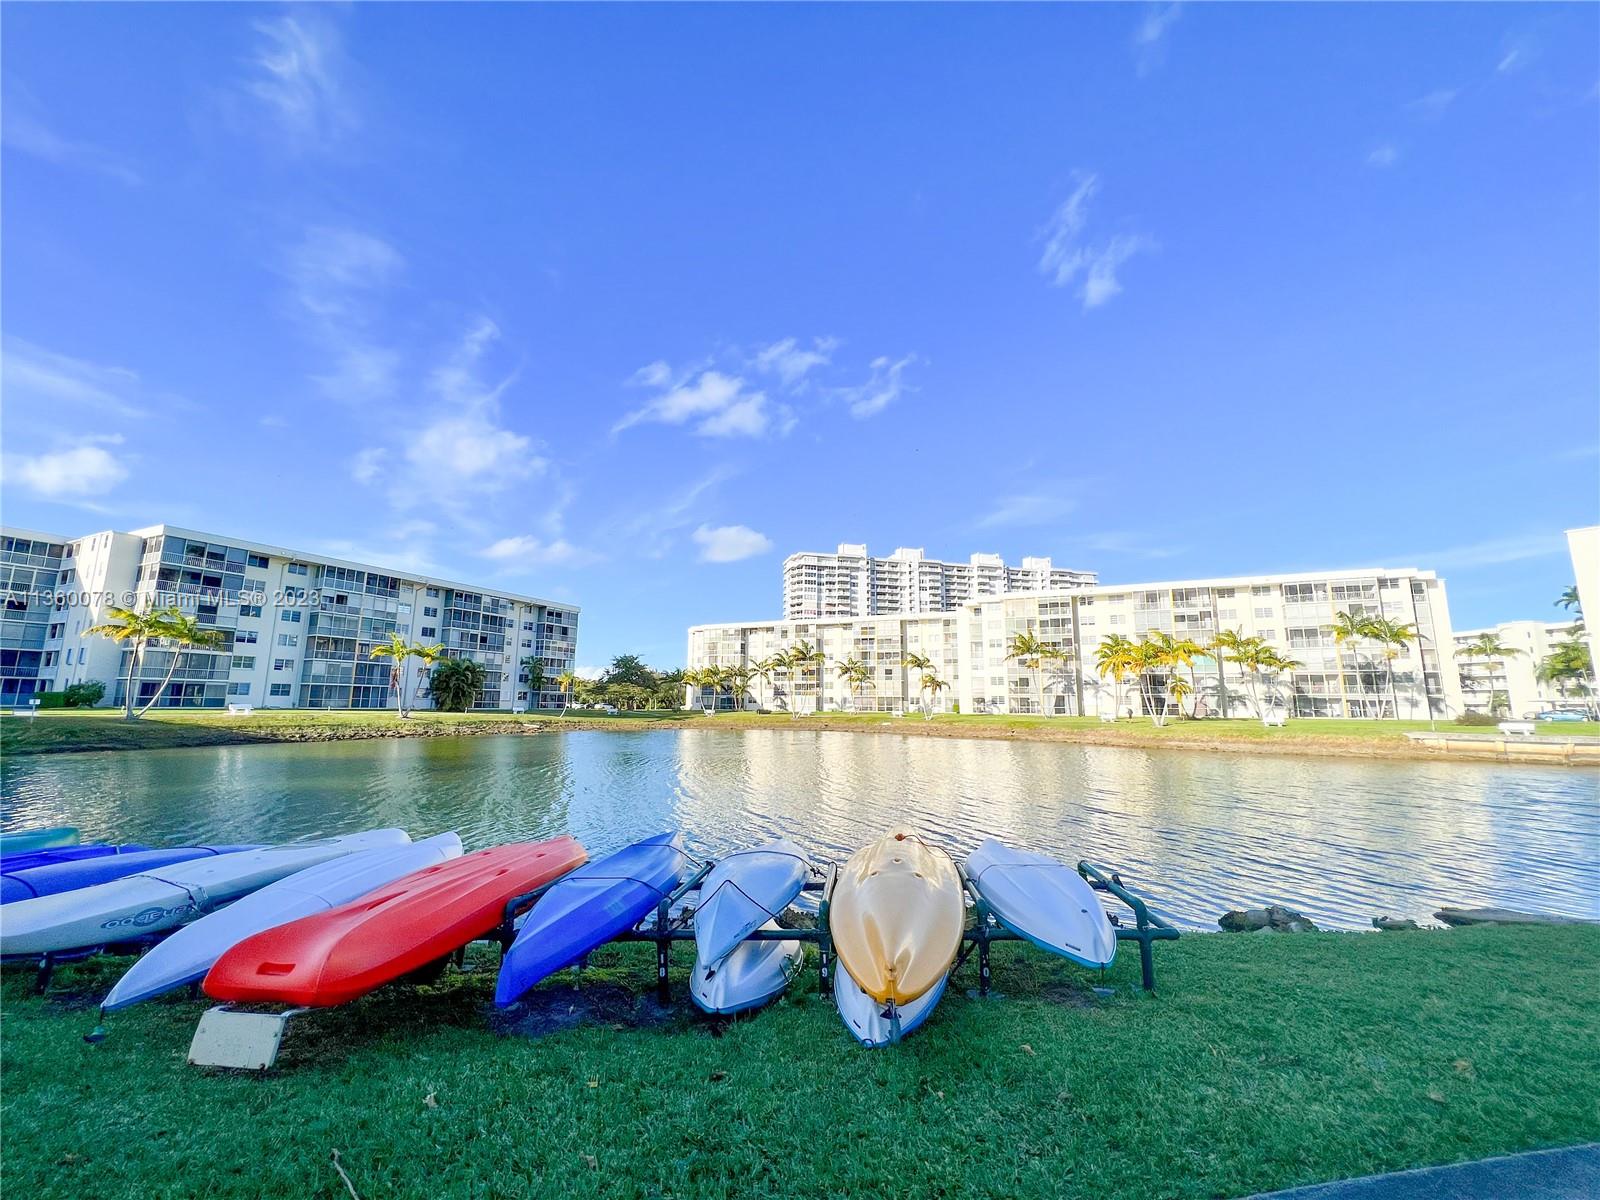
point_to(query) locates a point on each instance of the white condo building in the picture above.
(968, 647)
(853, 583)
(1509, 684)
(299, 626)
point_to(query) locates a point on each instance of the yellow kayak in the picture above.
(897, 917)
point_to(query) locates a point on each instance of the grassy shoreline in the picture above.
(61, 731)
(1263, 1062)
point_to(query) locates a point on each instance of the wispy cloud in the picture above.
(1385, 154)
(1492, 552)
(716, 404)
(1150, 35)
(28, 134)
(47, 380)
(299, 77)
(1071, 259)
(883, 387)
(525, 550)
(82, 469)
(1435, 104)
(1516, 52)
(791, 362)
(339, 279)
(652, 530)
(1027, 508)
(730, 543)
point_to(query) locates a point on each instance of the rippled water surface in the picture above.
(1342, 840)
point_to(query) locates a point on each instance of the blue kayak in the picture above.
(25, 859)
(588, 908)
(58, 877)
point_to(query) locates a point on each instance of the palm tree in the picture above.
(1353, 628)
(1225, 648)
(137, 629)
(805, 656)
(534, 666)
(1569, 662)
(1250, 653)
(765, 670)
(932, 685)
(182, 630)
(738, 679)
(565, 683)
(1116, 656)
(456, 684)
(855, 675)
(396, 650)
(1269, 660)
(1569, 600)
(1149, 657)
(1394, 637)
(1486, 646)
(1030, 654)
(427, 656)
(912, 661)
(1174, 653)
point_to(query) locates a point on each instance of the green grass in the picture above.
(1263, 1062)
(104, 729)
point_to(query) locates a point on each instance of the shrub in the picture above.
(85, 695)
(1477, 718)
(51, 699)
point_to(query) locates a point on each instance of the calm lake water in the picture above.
(1196, 833)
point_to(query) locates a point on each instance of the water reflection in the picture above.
(1341, 840)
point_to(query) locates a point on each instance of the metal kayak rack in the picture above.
(663, 929)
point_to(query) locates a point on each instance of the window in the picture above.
(244, 662)
(433, 593)
(238, 689)
(250, 610)
(243, 636)
(288, 639)
(279, 689)
(429, 611)
(55, 630)
(298, 569)
(293, 615)
(257, 560)
(282, 664)
(1263, 614)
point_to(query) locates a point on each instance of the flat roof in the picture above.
(330, 560)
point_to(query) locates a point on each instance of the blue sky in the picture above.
(622, 304)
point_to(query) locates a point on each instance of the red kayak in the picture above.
(336, 956)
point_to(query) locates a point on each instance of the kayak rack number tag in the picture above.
(238, 1041)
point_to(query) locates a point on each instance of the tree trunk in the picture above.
(171, 671)
(133, 667)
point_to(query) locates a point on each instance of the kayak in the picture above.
(26, 860)
(897, 917)
(70, 876)
(742, 893)
(872, 1023)
(1044, 901)
(339, 955)
(38, 839)
(752, 974)
(166, 897)
(588, 908)
(189, 953)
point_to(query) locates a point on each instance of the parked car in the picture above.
(1557, 714)
(610, 710)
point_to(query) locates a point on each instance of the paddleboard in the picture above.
(1045, 901)
(59, 877)
(28, 859)
(743, 892)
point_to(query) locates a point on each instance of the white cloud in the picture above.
(45, 378)
(882, 389)
(1435, 104)
(730, 543)
(720, 405)
(24, 133)
(1069, 258)
(368, 464)
(1493, 552)
(527, 550)
(338, 277)
(1150, 34)
(1518, 53)
(299, 77)
(787, 360)
(1028, 508)
(1384, 155)
(87, 469)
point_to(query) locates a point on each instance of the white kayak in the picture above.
(750, 976)
(164, 898)
(1045, 901)
(742, 893)
(189, 953)
(872, 1022)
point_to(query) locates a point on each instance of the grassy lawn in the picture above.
(104, 729)
(1263, 1062)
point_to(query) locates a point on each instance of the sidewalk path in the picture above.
(1572, 1173)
